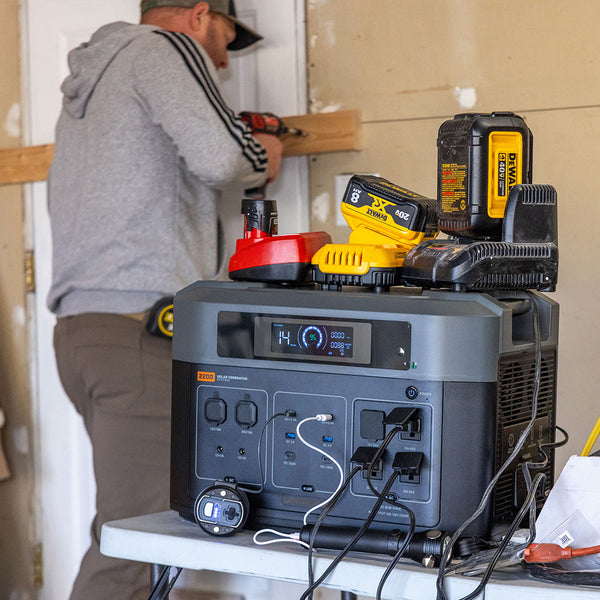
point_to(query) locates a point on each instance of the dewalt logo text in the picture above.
(512, 169)
(378, 215)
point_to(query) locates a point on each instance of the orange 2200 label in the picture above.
(205, 376)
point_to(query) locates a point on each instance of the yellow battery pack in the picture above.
(381, 212)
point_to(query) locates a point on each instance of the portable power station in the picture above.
(251, 360)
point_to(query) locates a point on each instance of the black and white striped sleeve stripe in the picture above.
(196, 64)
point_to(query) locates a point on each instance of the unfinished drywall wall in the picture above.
(17, 540)
(409, 65)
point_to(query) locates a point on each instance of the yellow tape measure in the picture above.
(165, 320)
(160, 320)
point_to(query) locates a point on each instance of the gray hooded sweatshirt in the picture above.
(143, 144)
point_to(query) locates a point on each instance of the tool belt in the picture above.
(160, 318)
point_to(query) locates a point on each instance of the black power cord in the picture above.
(542, 450)
(398, 417)
(443, 568)
(533, 466)
(399, 426)
(317, 524)
(372, 514)
(498, 552)
(525, 507)
(367, 459)
(396, 558)
(557, 575)
(377, 457)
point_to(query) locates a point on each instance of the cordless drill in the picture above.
(267, 122)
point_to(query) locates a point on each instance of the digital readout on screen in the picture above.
(318, 339)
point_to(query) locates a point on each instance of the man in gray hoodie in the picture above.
(143, 144)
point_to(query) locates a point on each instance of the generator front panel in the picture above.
(231, 441)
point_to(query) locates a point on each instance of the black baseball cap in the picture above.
(244, 36)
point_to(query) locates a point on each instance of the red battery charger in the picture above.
(262, 255)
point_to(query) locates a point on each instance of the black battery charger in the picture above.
(526, 257)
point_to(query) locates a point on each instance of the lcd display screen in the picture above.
(315, 340)
(304, 339)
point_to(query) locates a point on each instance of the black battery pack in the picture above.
(480, 158)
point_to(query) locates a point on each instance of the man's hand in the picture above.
(274, 148)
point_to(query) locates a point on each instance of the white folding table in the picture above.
(167, 539)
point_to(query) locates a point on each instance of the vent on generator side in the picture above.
(516, 379)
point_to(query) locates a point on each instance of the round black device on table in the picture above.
(221, 509)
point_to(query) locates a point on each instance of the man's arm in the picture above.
(178, 85)
(272, 144)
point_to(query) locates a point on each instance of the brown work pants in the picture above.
(118, 376)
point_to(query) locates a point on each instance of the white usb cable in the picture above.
(295, 537)
(320, 418)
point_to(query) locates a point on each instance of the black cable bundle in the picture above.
(528, 505)
(372, 514)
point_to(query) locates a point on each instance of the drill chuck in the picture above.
(423, 545)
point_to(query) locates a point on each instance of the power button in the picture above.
(411, 392)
